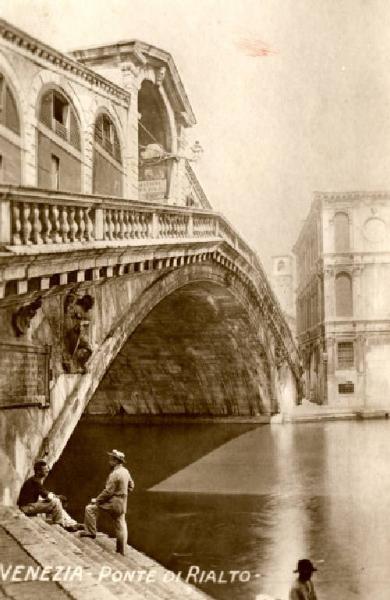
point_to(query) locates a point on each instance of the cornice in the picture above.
(142, 53)
(358, 195)
(24, 41)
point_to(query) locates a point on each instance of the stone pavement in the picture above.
(77, 568)
(310, 412)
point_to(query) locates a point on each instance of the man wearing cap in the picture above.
(34, 499)
(303, 588)
(113, 500)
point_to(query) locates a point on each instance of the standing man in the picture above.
(113, 500)
(303, 588)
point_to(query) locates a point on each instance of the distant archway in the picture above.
(154, 143)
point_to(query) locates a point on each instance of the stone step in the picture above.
(140, 561)
(52, 545)
(45, 552)
(87, 556)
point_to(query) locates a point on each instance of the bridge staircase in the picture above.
(31, 541)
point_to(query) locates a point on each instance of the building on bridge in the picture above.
(109, 121)
(121, 290)
(343, 299)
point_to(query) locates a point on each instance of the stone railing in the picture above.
(32, 217)
(193, 189)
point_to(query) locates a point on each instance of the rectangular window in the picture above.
(55, 172)
(345, 355)
(346, 388)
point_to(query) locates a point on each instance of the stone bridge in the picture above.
(114, 305)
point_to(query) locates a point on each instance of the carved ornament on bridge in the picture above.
(21, 319)
(77, 334)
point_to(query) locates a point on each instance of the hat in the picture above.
(304, 565)
(118, 455)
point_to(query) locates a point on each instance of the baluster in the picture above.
(36, 225)
(121, 225)
(72, 224)
(110, 224)
(105, 224)
(126, 225)
(26, 225)
(115, 224)
(64, 224)
(136, 225)
(55, 216)
(142, 223)
(162, 226)
(131, 225)
(115, 220)
(47, 227)
(149, 225)
(16, 224)
(89, 228)
(81, 222)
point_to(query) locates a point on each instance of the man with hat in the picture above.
(303, 588)
(34, 499)
(113, 500)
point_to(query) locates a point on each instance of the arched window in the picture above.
(57, 113)
(59, 143)
(344, 303)
(10, 142)
(8, 111)
(341, 232)
(281, 265)
(107, 160)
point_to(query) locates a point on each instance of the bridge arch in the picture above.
(122, 304)
(195, 353)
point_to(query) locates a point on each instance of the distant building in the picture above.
(343, 299)
(282, 280)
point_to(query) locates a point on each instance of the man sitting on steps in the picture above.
(112, 500)
(34, 499)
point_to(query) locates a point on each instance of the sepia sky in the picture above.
(290, 96)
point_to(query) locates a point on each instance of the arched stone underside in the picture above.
(196, 353)
(121, 308)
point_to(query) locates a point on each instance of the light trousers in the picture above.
(53, 508)
(90, 522)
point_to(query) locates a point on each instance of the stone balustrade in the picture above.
(31, 217)
(123, 224)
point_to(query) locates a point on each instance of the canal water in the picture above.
(214, 500)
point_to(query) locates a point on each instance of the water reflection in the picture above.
(252, 498)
